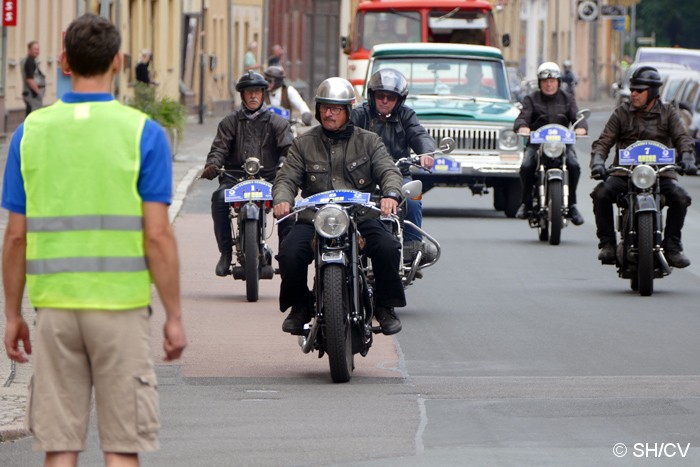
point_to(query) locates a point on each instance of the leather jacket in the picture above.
(400, 133)
(316, 163)
(238, 137)
(628, 125)
(539, 110)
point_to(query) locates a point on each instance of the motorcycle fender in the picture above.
(334, 257)
(249, 211)
(644, 203)
(555, 174)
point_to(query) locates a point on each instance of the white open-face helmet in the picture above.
(548, 70)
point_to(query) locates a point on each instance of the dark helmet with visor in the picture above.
(387, 80)
(251, 80)
(646, 78)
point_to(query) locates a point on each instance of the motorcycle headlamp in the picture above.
(508, 140)
(643, 177)
(553, 150)
(252, 166)
(331, 221)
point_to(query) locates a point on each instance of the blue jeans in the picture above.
(414, 213)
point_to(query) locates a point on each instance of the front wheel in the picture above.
(336, 311)
(645, 253)
(252, 259)
(555, 217)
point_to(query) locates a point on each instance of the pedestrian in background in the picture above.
(250, 61)
(275, 58)
(33, 80)
(87, 257)
(143, 74)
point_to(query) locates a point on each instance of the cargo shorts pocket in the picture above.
(28, 425)
(147, 413)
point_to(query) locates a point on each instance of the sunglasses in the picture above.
(325, 108)
(638, 91)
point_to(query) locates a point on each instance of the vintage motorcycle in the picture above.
(640, 257)
(550, 196)
(250, 202)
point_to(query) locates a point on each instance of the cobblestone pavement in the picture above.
(14, 378)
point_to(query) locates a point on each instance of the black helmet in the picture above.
(275, 75)
(646, 78)
(387, 80)
(251, 80)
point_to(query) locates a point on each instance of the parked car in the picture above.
(675, 84)
(621, 90)
(689, 58)
(479, 116)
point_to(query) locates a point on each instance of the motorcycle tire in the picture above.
(338, 333)
(251, 249)
(555, 217)
(645, 253)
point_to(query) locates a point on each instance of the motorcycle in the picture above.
(550, 195)
(429, 251)
(640, 257)
(250, 202)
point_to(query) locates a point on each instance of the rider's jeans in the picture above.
(414, 213)
(529, 167)
(380, 244)
(220, 216)
(606, 193)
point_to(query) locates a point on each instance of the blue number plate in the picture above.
(336, 196)
(249, 190)
(647, 152)
(553, 133)
(280, 111)
(446, 165)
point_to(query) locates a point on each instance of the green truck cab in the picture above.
(461, 91)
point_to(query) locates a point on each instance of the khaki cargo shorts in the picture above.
(78, 350)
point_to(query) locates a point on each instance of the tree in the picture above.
(675, 23)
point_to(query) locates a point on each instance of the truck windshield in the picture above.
(450, 76)
(386, 26)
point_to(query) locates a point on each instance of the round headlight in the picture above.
(643, 177)
(508, 140)
(331, 221)
(553, 150)
(252, 165)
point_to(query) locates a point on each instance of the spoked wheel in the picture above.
(336, 310)
(555, 218)
(252, 259)
(645, 255)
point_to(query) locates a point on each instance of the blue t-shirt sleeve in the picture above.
(14, 198)
(155, 182)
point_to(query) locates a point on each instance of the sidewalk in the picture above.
(14, 378)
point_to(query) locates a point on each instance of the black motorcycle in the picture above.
(550, 193)
(344, 302)
(640, 223)
(250, 202)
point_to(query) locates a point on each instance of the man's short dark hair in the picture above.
(91, 44)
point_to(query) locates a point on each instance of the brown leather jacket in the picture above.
(316, 163)
(628, 125)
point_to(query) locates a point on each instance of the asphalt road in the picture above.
(513, 352)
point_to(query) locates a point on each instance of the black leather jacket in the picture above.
(400, 133)
(267, 137)
(540, 110)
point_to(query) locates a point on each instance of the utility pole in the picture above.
(202, 65)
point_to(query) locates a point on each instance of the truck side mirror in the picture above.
(505, 40)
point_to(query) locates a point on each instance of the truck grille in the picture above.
(468, 139)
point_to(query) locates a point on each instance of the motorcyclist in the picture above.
(398, 126)
(548, 105)
(337, 155)
(251, 131)
(644, 117)
(569, 78)
(281, 94)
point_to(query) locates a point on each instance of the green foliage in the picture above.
(674, 22)
(167, 111)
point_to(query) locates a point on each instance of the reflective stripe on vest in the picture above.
(85, 249)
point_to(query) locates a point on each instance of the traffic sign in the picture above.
(588, 10)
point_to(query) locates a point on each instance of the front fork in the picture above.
(543, 183)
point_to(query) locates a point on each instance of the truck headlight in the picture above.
(643, 177)
(331, 221)
(508, 140)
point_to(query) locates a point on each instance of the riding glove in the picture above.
(210, 172)
(687, 164)
(598, 171)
